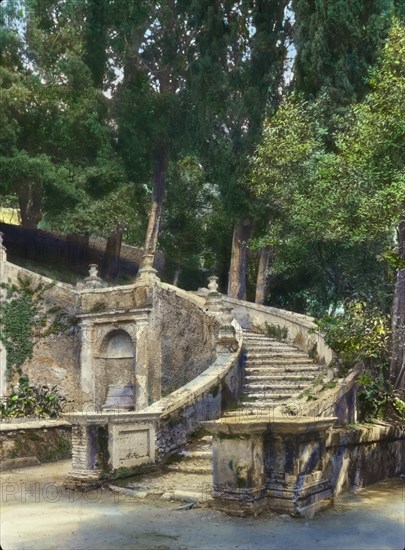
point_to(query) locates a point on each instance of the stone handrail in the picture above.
(193, 298)
(301, 329)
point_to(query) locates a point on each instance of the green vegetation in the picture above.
(275, 331)
(179, 125)
(25, 318)
(32, 400)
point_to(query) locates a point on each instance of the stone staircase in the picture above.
(274, 372)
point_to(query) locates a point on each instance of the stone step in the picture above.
(270, 346)
(263, 404)
(190, 468)
(252, 337)
(199, 454)
(187, 496)
(278, 355)
(279, 361)
(270, 396)
(278, 378)
(280, 371)
(261, 340)
(278, 388)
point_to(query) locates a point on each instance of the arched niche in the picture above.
(117, 344)
(114, 366)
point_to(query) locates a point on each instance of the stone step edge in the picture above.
(184, 468)
(277, 377)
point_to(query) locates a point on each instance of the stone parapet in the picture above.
(301, 329)
(107, 441)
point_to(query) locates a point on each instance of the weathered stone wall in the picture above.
(56, 358)
(63, 294)
(45, 440)
(181, 340)
(355, 458)
(56, 362)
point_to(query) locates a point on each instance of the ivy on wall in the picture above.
(25, 318)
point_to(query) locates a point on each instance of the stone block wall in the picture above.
(299, 465)
(44, 440)
(174, 428)
(56, 358)
(355, 458)
(182, 339)
(56, 362)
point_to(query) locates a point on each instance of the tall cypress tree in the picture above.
(337, 43)
(236, 75)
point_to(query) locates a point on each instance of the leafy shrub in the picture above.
(32, 400)
(362, 334)
(359, 334)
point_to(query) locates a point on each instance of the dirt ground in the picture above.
(36, 513)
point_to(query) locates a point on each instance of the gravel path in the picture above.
(36, 513)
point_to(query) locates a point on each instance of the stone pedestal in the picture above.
(278, 465)
(145, 282)
(93, 280)
(295, 453)
(213, 303)
(239, 484)
(108, 441)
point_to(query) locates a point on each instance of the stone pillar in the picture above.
(87, 378)
(239, 481)
(213, 303)
(86, 469)
(141, 365)
(227, 334)
(145, 281)
(3, 351)
(93, 280)
(276, 464)
(295, 453)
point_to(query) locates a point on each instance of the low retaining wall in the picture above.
(364, 455)
(25, 443)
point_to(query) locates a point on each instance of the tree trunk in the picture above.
(111, 260)
(30, 202)
(155, 214)
(237, 270)
(265, 256)
(397, 368)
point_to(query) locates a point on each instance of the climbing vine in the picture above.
(25, 318)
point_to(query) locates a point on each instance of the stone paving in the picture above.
(38, 514)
